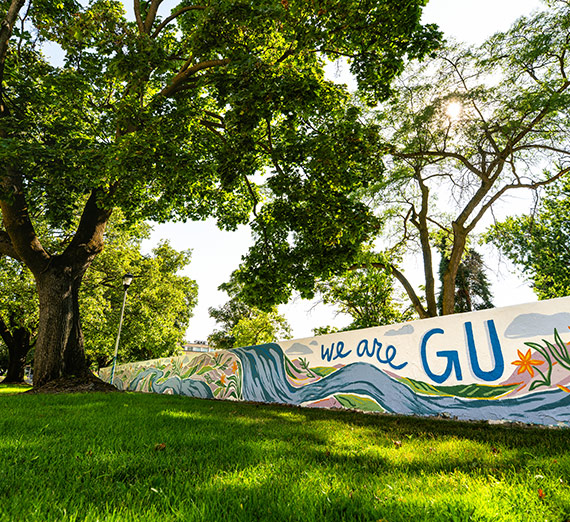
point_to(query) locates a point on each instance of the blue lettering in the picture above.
(390, 355)
(499, 363)
(339, 349)
(451, 355)
(362, 349)
(327, 353)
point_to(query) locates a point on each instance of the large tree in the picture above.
(468, 129)
(461, 132)
(166, 116)
(157, 311)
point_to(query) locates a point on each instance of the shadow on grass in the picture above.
(136, 456)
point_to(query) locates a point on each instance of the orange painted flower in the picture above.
(526, 363)
(234, 367)
(223, 379)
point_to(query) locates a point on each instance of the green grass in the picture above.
(157, 457)
(13, 388)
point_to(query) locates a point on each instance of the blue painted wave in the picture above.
(264, 380)
(178, 386)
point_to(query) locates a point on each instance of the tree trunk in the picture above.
(18, 343)
(17, 352)
(450, 275)
(59, 349)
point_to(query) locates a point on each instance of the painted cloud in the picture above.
(531, 325)
(298, 349)
(404, 330)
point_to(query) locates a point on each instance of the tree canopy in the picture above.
(167, 116)
(539, 242)
(460, 132)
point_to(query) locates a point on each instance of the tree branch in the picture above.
(178, 81)
(511, 186)
(6, 247)
(88, 239)
(169, 19)
(151, 15)
(417, 304)
(138, 16)
(7, 25)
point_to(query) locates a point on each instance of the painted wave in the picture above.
(264, 380)
(188, 387)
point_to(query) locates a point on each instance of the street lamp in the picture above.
(127, 280)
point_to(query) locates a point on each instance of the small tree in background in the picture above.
(539, 243)
(367, 294)
(245, 325)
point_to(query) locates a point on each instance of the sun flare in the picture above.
(453, 110)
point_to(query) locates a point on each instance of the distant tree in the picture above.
(158, 308)
(366, 293)
(18, 318)
(245, 325)
(472, 287)
(539, 242)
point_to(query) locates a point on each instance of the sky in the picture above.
(215, 254)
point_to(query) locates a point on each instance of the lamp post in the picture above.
(127, 280)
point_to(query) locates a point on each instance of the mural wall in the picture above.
(506, 364)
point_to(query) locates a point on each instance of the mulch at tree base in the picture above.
(75, 385)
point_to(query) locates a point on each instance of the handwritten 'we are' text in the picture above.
(364, 349)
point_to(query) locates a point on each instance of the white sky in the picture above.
(216, 254)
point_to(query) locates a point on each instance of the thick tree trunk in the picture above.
(17, 353)
(59, 348)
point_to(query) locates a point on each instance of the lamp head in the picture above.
(127, 280)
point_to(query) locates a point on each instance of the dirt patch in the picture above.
(75, 385)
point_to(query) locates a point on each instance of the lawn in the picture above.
(13, 388)
(157, 457)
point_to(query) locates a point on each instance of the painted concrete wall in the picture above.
(508, 363)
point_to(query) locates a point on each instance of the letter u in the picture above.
(499, 363)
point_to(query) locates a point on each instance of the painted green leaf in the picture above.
(323, 371)
(356, 402)
(469, 391)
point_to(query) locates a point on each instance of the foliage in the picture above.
(538, 242)
(366, 293)
(472, 287)
(168, 116)
(463, 131)
(244, 325)
(558, 351)
(158, 307)
(302, 464)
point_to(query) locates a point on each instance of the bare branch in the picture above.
(440, 154)
(504, 189)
